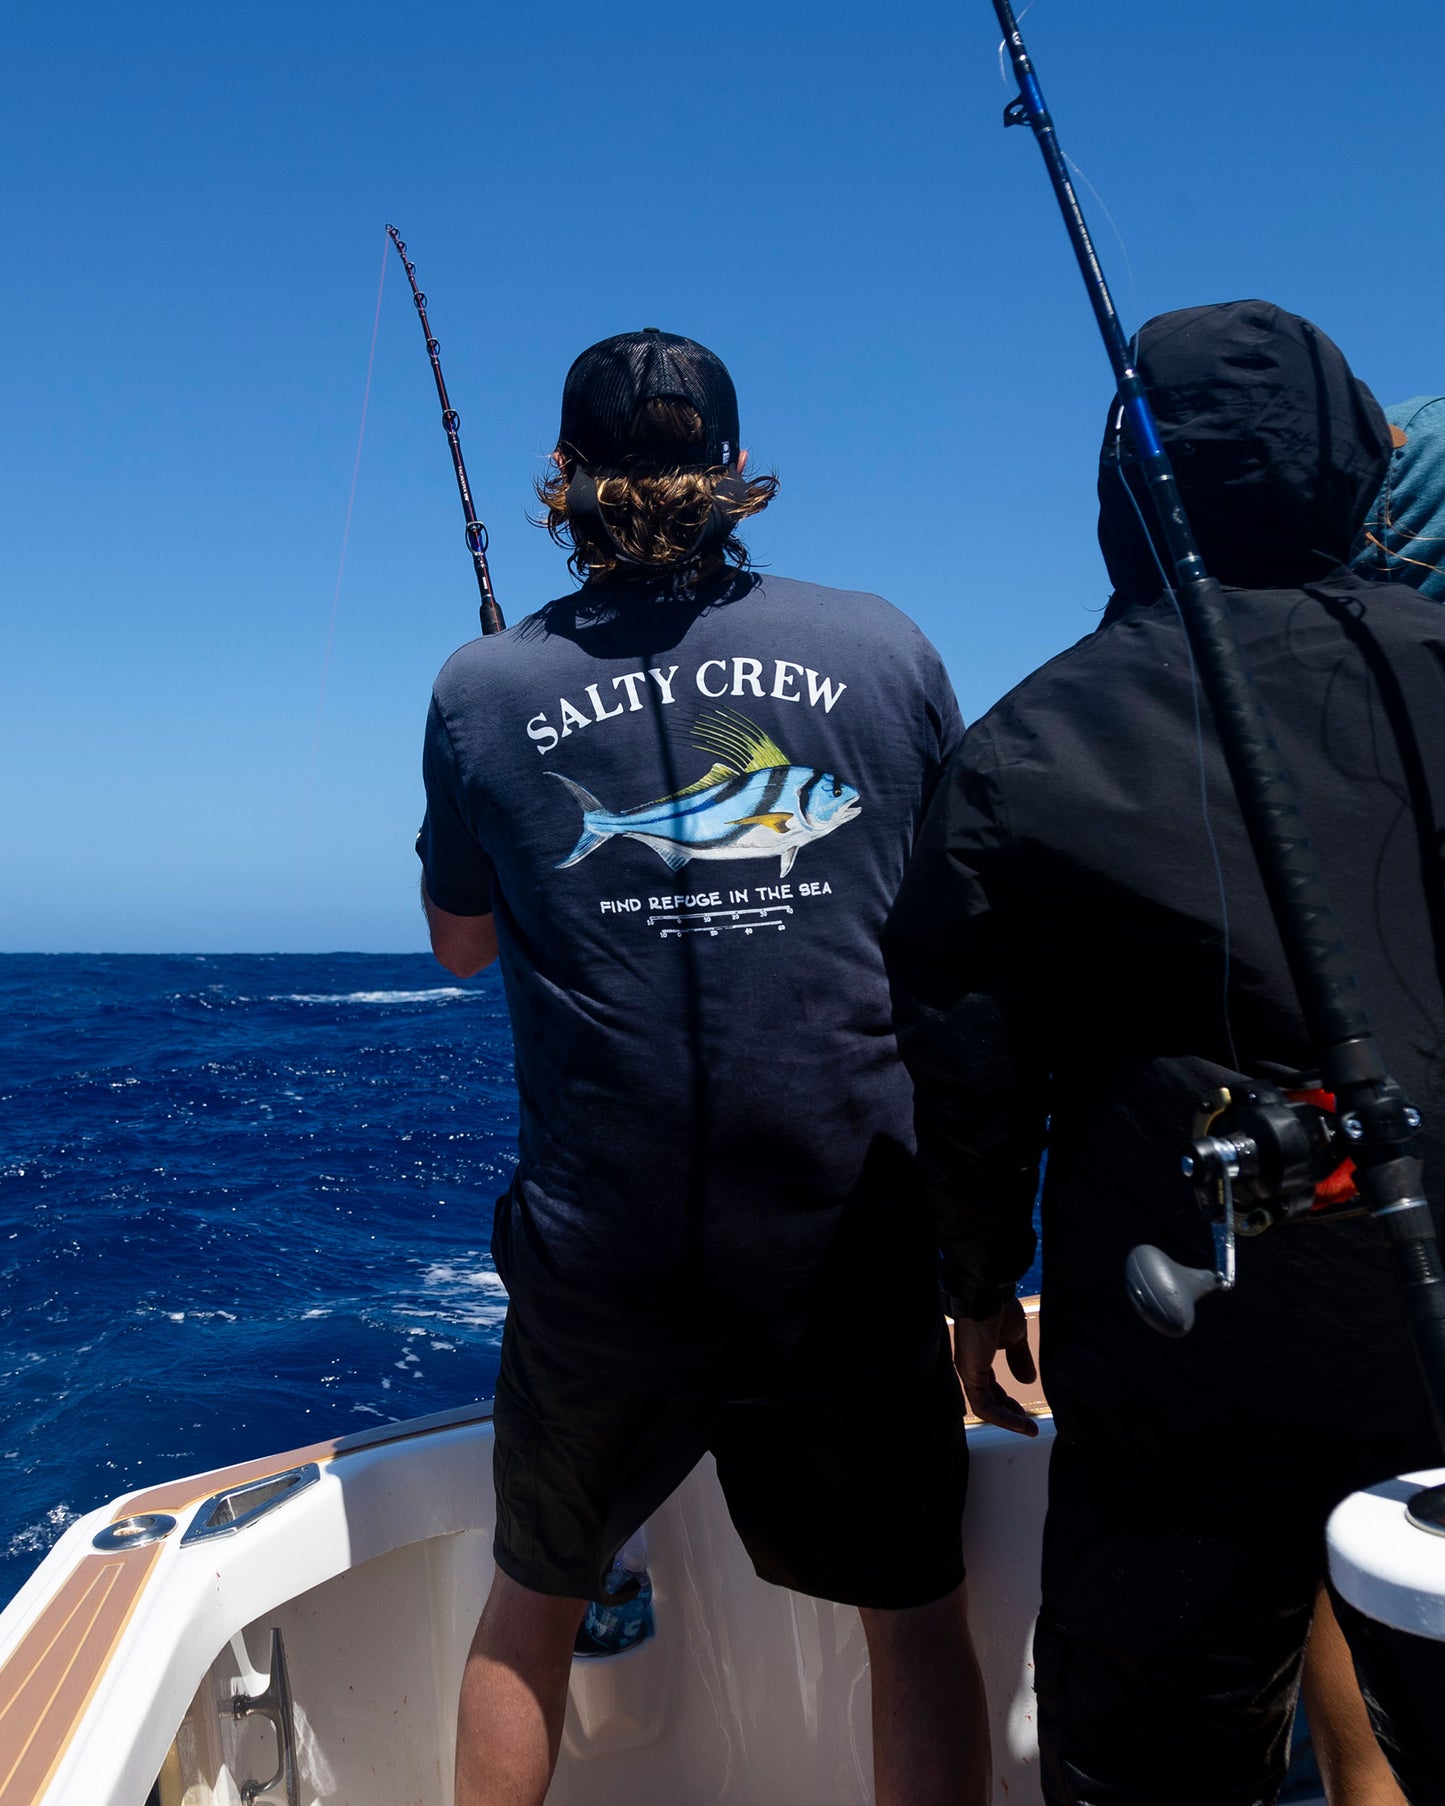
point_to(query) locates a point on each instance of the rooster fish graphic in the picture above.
(752, 804)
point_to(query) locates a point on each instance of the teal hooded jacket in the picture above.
(1403, 538)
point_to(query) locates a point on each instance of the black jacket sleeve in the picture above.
(968, 1004)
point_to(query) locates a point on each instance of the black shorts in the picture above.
(853, 1498)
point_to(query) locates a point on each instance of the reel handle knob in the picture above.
(1163, 1291)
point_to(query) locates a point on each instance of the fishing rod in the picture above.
(491, 615)
(1265, 1148)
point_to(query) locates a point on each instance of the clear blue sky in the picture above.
(195, 204)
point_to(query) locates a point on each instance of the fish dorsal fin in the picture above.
(717, 774)
(739, 743)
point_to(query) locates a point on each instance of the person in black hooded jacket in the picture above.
(1082, 949)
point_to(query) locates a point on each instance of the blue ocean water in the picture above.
(245, 1204)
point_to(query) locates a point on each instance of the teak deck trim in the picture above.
(51, 1678)
(52, 1675)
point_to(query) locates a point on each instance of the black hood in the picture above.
(1278, 447)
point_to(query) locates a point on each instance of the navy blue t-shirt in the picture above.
(690, 818)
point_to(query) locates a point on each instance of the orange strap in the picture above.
(1339, 1187)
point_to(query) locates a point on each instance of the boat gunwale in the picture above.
(68, 1681)
(65, 1672)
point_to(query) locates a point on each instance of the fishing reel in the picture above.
(1270, 1158)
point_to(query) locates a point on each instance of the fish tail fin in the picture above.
(590, 839)
(588, 843)
(585, 798)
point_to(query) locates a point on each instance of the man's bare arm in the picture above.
(465, 945)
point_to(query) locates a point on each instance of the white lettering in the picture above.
(617, 906)
(597, 708)
(781, 680)
(708, 899)
(722, 666)
(572, 718)
(537, 729)
(749, 677)
(632, 679)
(737, 896)
(823, 687)
(663, 680)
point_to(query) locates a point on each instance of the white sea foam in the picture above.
(471, 1313)
(440, 994)
(36, 1538)
(467, 1297)
(484, 1277)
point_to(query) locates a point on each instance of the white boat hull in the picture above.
(116, 1669)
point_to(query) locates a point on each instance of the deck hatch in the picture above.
(224, 1513)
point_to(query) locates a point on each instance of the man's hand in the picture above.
(974, 1347)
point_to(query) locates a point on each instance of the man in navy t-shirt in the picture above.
(678, 804)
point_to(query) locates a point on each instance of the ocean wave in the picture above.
(311, 1159)
(442, 1274)
(439, 994)
(466, 1298)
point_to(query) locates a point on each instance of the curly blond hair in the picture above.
(654, 510)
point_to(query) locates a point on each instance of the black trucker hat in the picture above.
(610, 381)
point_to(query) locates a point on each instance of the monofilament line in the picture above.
(346, 529)
(1003, 68)
(1113, 227)
(1194, 684)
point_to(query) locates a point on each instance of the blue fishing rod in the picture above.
(1266, 1149)
(491, 615)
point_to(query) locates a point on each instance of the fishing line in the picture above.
(346, 530)
(1118, 235)
(1003, 68)
(1199, 747)
(1005, 76)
